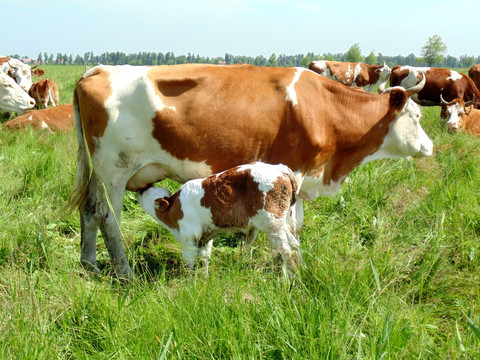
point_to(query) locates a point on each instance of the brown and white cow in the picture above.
(447, 83)
(353, 74)
(462, 116)
(20, 72)
(248, 198)
(474, 74)
(59, 118)
(44, 91)
(144, 124)
(12, 96)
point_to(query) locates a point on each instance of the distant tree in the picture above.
(354, 54)
(466, 61)
(433, 50)
(39, 57)
(306, 61)
(272, 61)
(371, 58)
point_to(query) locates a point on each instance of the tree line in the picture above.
(432, 55)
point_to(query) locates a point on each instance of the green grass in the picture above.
(392, 268)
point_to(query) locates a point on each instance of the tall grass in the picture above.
(392, 268)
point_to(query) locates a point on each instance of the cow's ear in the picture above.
(468, 109)
(161, 204)
(398, 99)
(38, 72)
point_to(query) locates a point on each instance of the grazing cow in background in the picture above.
(12, 96)
(142, 124)
(44, 91)
(248, 198)
(20, 72)
(447, 83)
(58, 118)
(353, 74)
(474, 74)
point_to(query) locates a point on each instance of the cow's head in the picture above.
(12, 96)
(154, 199)
(405, 136)
(454, 110)
(22, 73)
(383, 71)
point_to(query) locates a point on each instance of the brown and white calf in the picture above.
(248, 198)
(142, 124)
(44, 91)
(19, 71)
(462, 116)
(12, 96)
(353, 74)
(446, 83)
(59, 118)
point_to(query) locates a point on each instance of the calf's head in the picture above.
(454, 111)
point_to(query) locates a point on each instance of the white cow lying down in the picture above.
(248, 198)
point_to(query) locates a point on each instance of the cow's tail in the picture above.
(79, 190)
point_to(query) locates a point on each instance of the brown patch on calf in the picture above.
(41, 91)
(281, 196)
(169, 210)
(91, 93)
(233, 197)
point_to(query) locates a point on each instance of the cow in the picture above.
(44, 91)
(20, 72)
(248, 198)
(447, 83)
(138, 125)
(353, 73)
(58, 118)
(12, 96)
(462, 115)
(474, 74)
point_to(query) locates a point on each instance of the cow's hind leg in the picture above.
(109, 223)
(89, 231)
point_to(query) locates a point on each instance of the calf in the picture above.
(44, 91)
(462, 116)
(58, 118)
(248, 198)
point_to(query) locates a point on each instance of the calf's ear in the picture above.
(468, 109)
(161, 204)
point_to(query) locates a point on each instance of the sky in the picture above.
(249, 27)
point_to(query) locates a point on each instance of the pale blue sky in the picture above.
(250, 27)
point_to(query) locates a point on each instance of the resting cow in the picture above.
(463, 116)
(44, 91)
(20, 72)
(249, 198)
(12, 96)
(447, 83)
(353, 74)
(144, 124)
(58, 118)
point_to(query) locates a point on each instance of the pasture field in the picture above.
(392, 267)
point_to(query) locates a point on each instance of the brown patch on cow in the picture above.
(169, 210)
(91, 94)
(58, 118)
(281, 196)
(233, 197)
(214, 110)
(4, 59)
(342, 71)
(313, 67)
(474, 74)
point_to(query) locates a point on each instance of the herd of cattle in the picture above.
(217, 128)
